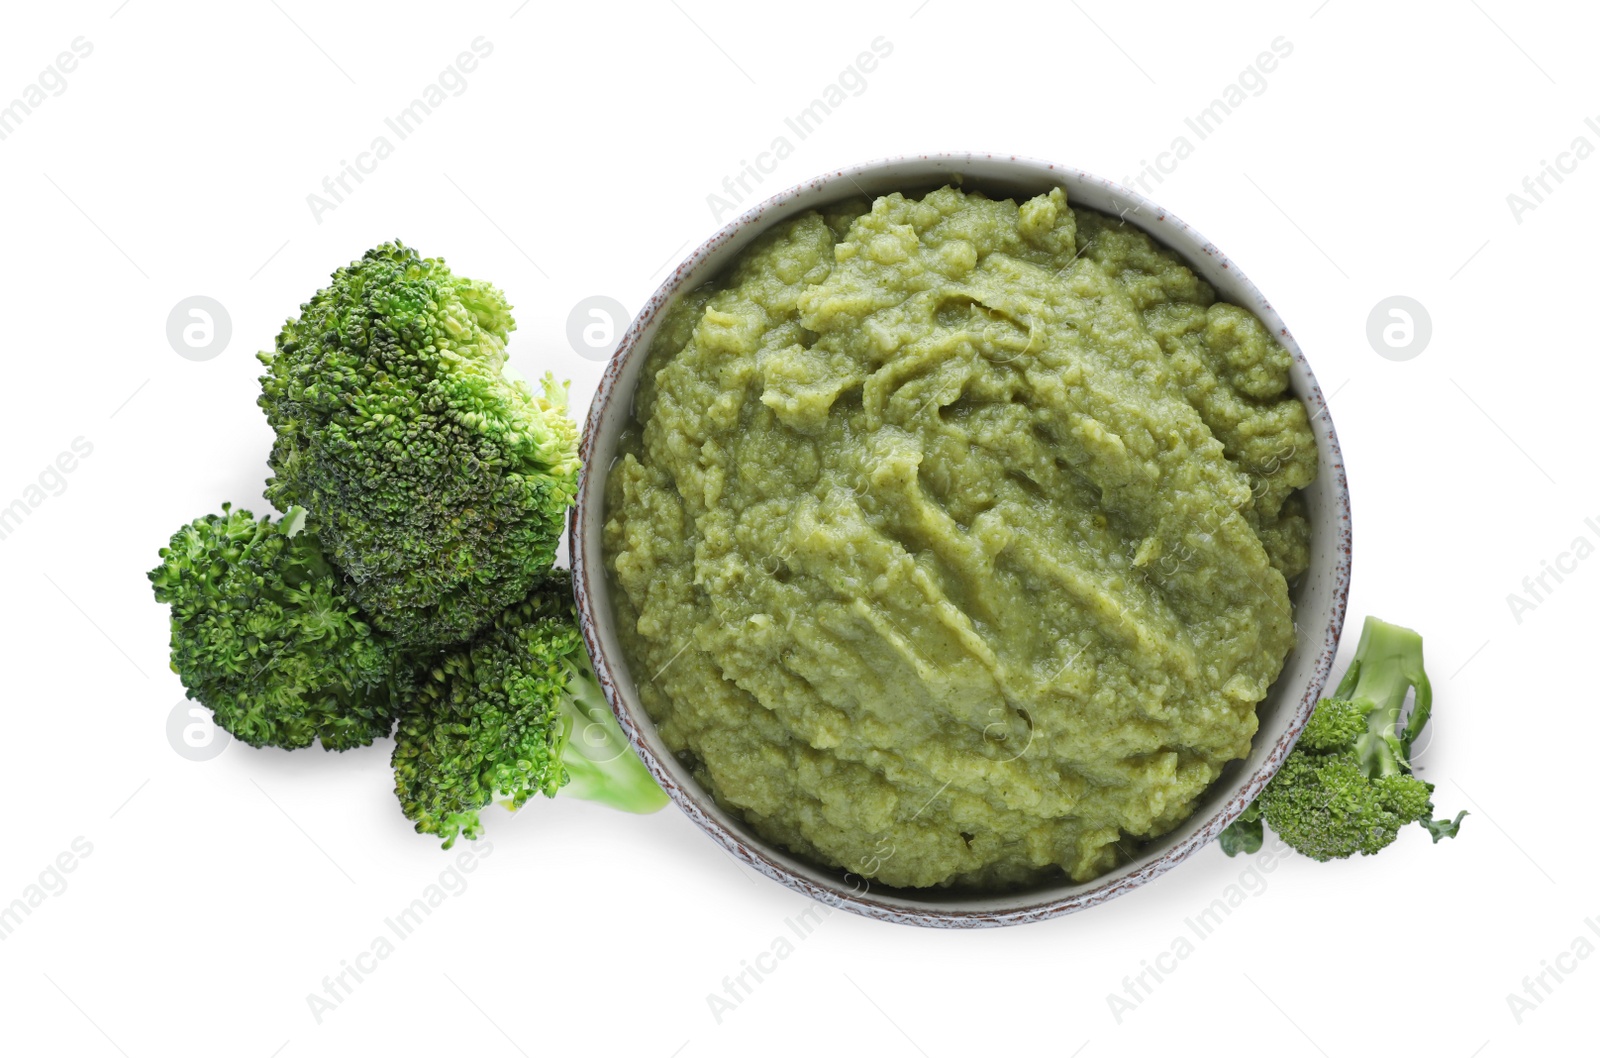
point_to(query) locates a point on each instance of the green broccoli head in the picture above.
(1347, 787)
(514, 713)
(265, 635)
(1326, 807)
(439, 484)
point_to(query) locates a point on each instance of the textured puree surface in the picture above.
(950, 540)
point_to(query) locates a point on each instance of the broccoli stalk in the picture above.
(595, 754)
(1347, 786)
(1388, 664)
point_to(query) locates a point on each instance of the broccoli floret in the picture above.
(514, 713)
(265, 635)
(1347, 786)
(439, 484)
(1334, 724)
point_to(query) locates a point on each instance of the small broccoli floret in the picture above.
(1334, 724)
(264, 634)
(439, 484)
(1347, 787)
(514, 713)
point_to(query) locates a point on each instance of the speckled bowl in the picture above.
(1319, 597)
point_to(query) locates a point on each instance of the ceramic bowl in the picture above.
(1319, 596)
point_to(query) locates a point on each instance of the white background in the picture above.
(577, 162)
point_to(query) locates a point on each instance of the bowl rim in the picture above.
(848, 891)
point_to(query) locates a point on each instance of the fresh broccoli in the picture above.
(427, 487)
(514, 713)
(439, 484)
(265, 635)
(1347, 786)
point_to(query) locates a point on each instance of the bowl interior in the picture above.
(1319, 596)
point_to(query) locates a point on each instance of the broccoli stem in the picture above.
(1389, 665)
(600, 764)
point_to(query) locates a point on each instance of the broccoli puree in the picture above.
(951, 540)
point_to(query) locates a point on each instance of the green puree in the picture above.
(952, 537)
